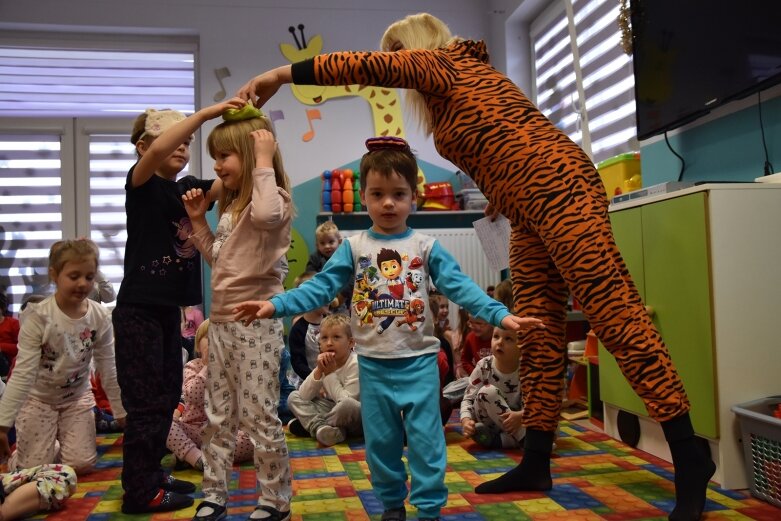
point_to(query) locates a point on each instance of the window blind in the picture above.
(605, 71)
(72, 83)
(66, 178)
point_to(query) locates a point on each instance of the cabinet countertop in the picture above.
(632, 203)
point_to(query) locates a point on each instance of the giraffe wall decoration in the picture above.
(384, 103)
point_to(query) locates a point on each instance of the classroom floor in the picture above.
(595, 477)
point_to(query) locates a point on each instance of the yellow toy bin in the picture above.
(621, 173)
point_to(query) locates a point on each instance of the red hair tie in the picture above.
(387, 143)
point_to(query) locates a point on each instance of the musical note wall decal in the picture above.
(310, 115)
(275, 115)
(221, 74)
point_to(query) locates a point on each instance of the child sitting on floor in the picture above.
(36, 489)
(186, 434)
(491, 408)
(326, 406)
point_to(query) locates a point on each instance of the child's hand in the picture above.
(468, 427)
(517, 323)
(218, 109)
(248, 311)
(195, 203)
(511, 421)
(265, 146)
(327, 363)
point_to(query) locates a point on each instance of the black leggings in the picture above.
(149, 370)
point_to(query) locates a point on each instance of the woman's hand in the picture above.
(260, 88)
(491, 212)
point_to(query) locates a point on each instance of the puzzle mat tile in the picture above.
(595, 478)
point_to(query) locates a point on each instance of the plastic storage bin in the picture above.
(761, 433)
(620, 174)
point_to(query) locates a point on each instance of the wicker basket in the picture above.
(761, 433)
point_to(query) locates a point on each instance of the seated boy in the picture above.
(326, 405)
(491, 408)
(328, 239)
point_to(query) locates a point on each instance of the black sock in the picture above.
(532, 473)
(693, 468)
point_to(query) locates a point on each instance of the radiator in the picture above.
(465, 247)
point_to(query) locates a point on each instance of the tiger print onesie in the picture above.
(550, 191)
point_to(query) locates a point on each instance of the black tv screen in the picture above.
(690, 56)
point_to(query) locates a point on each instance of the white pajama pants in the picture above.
(243, 392)
(39, 425)
(488, 407)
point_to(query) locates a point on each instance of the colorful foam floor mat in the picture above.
(595, 478)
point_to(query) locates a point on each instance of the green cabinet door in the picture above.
(677, 285)
(665, 247)
(628, 233)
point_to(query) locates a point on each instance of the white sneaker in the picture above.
(329, 435)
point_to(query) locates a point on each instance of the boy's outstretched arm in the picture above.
(249, 310)
(516, 323)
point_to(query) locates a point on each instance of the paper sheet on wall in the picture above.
(495, 239)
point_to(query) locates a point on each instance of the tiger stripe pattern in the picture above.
(550, 191)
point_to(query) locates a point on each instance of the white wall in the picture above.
(244, 36)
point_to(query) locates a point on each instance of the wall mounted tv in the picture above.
(691, 56)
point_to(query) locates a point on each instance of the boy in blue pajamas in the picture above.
(393, 329)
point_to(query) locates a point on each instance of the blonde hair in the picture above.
(337, 320)
(70, 250)
(326, 228)
(417, 31)
(234, 136)
(201, 332)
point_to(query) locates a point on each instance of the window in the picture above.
(586, 89)
(65, 121)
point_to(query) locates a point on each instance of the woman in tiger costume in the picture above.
(561, 241)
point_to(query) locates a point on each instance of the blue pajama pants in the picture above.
(397, 395)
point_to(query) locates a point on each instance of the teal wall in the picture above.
(726, 149)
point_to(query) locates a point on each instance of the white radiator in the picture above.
(464, 245)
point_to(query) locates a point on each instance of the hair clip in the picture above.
(387, 143)
(248, 111)
(158, 121)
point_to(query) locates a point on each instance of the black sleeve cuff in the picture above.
(304, 72)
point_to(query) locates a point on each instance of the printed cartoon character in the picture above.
(363, 290)
(369, 271)
(414, 277)
(183, 244)
(389, 262)
(87, 337)
(413, 314)
(363, 309)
